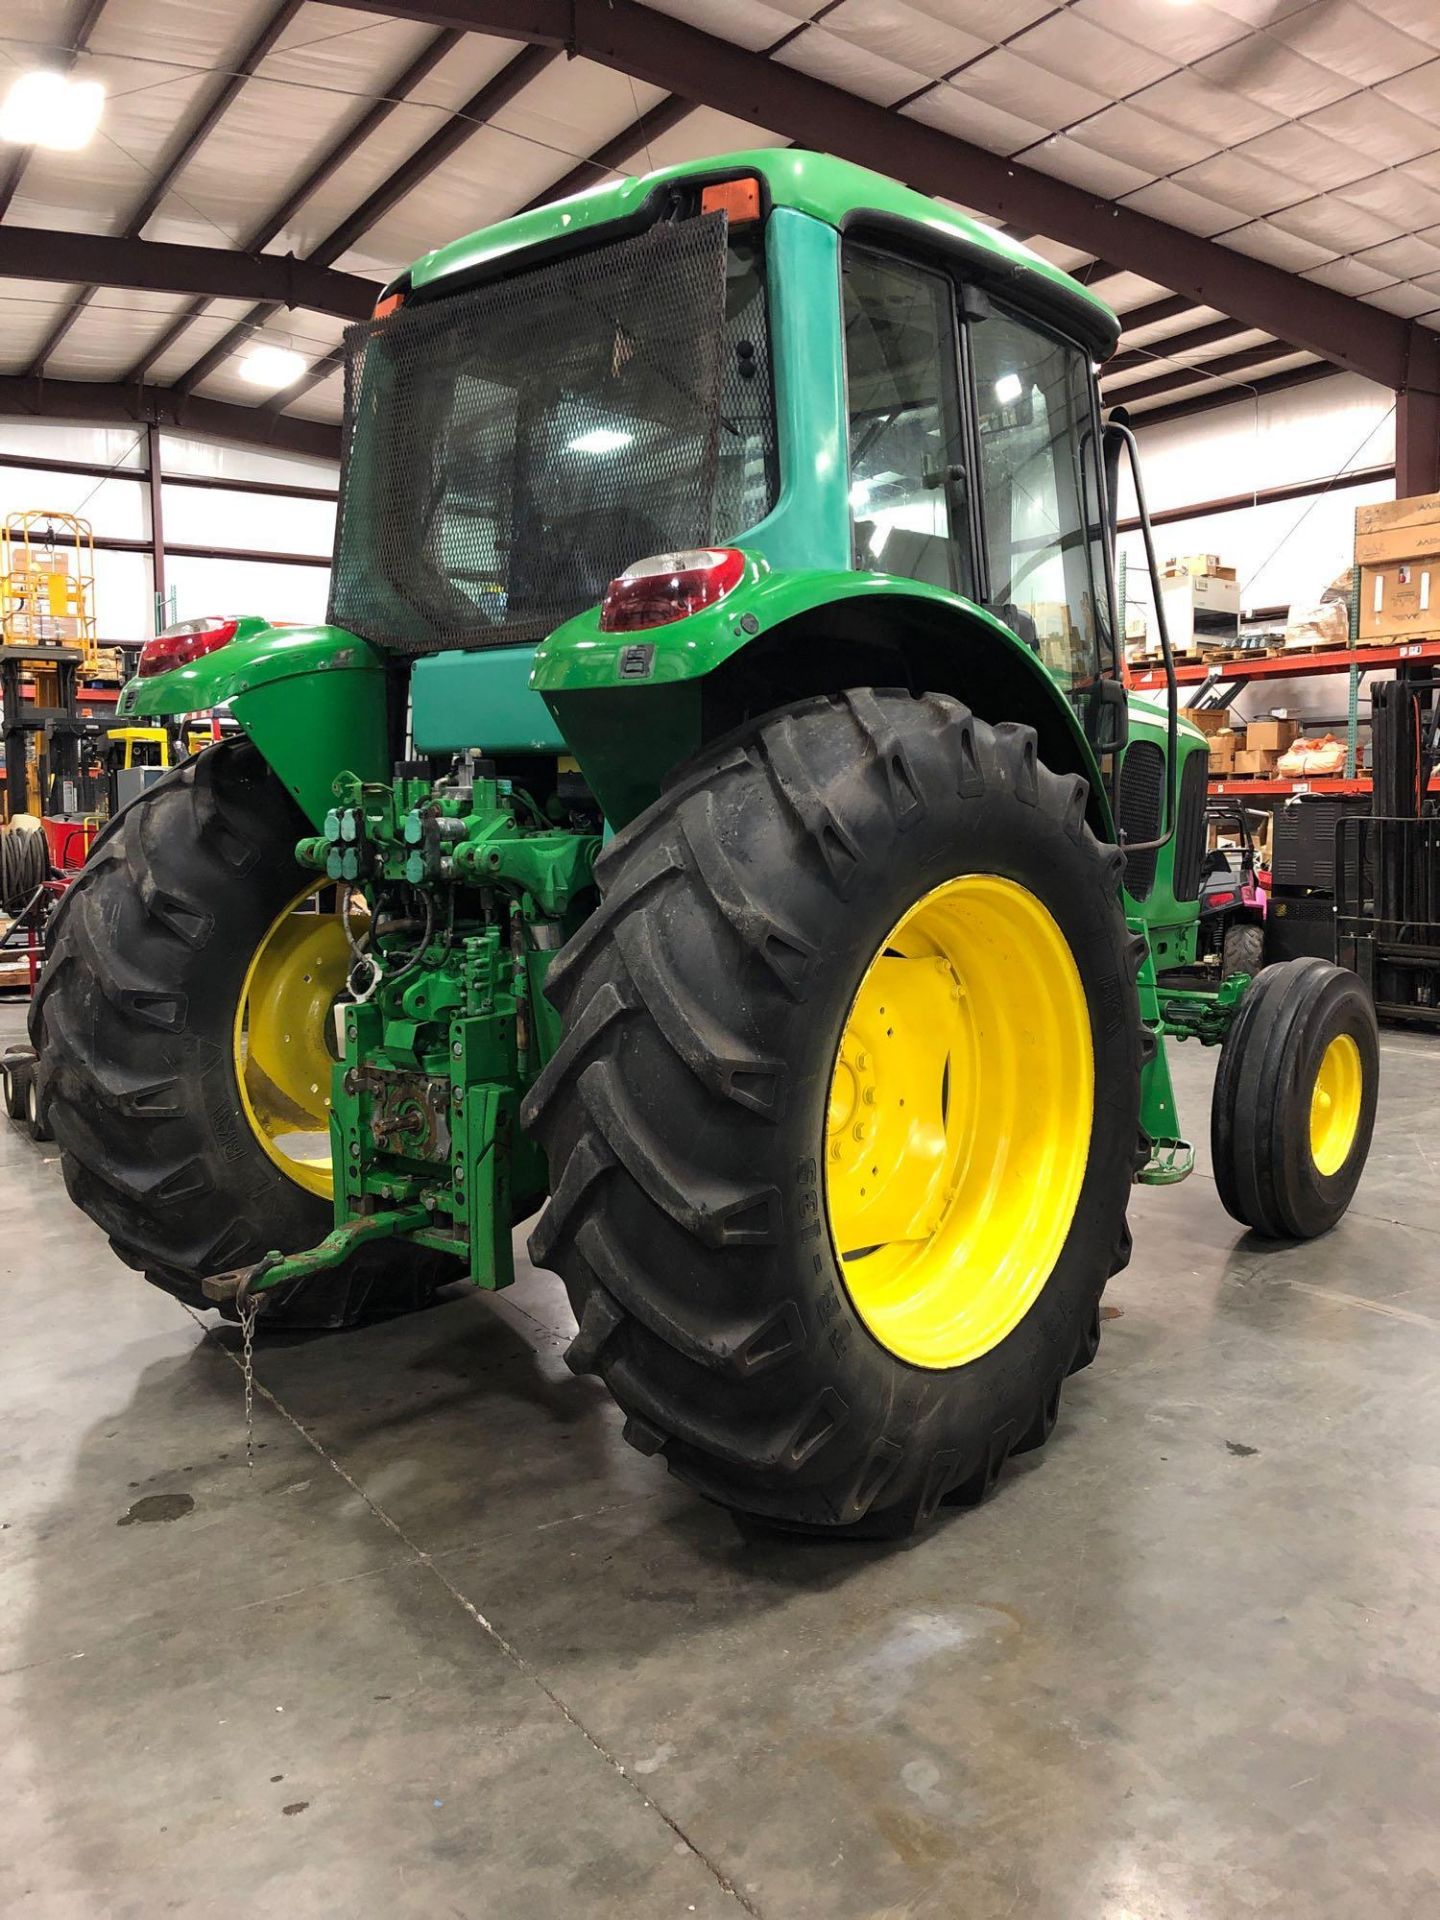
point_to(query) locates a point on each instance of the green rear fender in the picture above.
(313, 699)
(632, 705)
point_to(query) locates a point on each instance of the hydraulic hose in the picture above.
(24, 866)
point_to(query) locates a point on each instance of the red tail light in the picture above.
(187, 640)
(668, 586)
(1220, 899)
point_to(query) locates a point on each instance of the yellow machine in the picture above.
(140, 747)
(135, 758)
(47, 582)
(47, 642)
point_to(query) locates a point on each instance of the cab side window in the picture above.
(906, 478)
(1040, 493)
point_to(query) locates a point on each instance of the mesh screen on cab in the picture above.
(508, 450)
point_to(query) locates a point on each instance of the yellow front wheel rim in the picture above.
(959, 1120)
(282, 1052)
(1335, 1104)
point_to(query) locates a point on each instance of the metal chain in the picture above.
(249, 1311)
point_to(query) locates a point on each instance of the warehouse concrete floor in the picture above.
(453, 1649)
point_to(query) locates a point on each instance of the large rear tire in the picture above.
(135, 1022)
(786, 949)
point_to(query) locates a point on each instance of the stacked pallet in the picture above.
(1202, 612)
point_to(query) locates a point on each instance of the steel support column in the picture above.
(153, 476)
(1417, 419)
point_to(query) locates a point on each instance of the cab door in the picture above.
(908, 439)
(1046, 561)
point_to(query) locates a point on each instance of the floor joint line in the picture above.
(511, 1652)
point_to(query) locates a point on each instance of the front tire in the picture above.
(1243, 949)
(135, 1023)
(1294, 1102)
(708, 1006)
(37, 1121)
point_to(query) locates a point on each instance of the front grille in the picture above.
(1142, 789)
(1190, 826)
(511, 448)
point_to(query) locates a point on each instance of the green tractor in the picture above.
(714, 812)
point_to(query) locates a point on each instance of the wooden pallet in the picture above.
(1238, 656)
(1148, 660)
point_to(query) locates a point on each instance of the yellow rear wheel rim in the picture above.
(282, 1035)
(961, 1105)
(1335, 1104)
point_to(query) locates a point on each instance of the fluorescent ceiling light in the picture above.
(272, 366)
(601, 440)
(44, 109)
(1007, 388)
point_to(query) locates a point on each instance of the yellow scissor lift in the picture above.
(47, 636)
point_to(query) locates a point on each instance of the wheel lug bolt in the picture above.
(867, 1094)
(858, 1130)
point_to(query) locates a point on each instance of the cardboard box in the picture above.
(1207, 722)
(1397, 548)
(1223, 748)
(1385, 515)
(1402, 599)
(1197, 566)
(1392, 538)
(1310, 628)
(1253, 761)
(1398, 543)
(1271, 736)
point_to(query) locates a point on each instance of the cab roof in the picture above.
(835, 191)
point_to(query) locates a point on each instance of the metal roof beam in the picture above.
(1213, 397)
(1181, 377)
(655, 121)
(84, 18)
(317, 371)
(160, 266)
(1174, 307)
(698, 66)
(335, 157)
(190, 142)
(112, 403)
(460, 127)
(1175, 346)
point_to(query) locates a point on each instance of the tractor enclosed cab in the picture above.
(1234, 893)
(712, 816)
